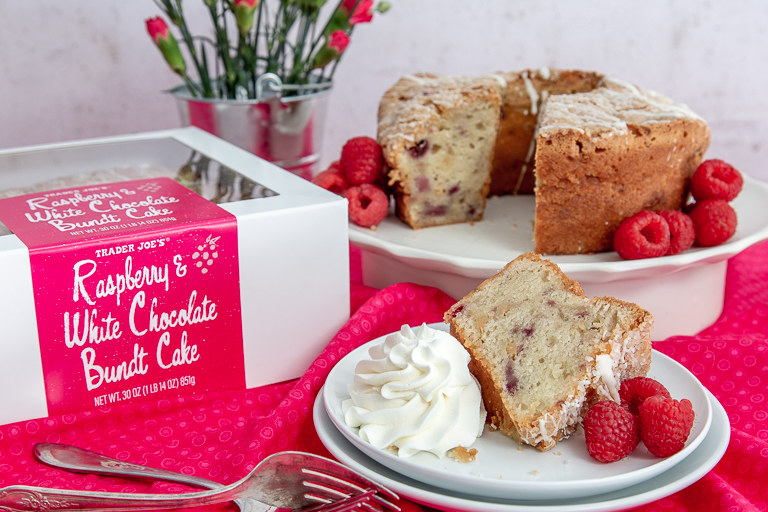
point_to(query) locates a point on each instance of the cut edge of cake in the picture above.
(437, 136)
(622, 351)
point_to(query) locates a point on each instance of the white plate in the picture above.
(680, 476)
(479, 250)
(503, 469)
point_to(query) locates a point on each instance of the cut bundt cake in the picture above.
(437, 135)
(593, 150)
(543, 351)
(604, 155)
(522, 96)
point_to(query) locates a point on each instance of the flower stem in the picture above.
(287, 38)
(176, 14)
(223, 50)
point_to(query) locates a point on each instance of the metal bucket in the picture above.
(281, 128)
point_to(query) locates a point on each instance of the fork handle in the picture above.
(22, 498)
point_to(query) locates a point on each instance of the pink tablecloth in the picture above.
(222, 436)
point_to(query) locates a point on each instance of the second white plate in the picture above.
(503, 469)
(681, 475)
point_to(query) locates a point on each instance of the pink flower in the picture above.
(338, 41)
(362, 13)
(166, 43)
(157, 29)
(244, 10)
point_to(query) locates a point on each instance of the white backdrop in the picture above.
(86, 68)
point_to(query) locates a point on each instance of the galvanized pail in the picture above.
(284, 126)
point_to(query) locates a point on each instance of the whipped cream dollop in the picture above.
(415, 393)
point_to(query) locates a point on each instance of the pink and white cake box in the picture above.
(160, 264)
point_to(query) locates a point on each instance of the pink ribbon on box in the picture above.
(137, 291)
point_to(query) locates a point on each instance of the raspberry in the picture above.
(681, 232)
(362, 161)
(643, 235)
(715, 179)
(633, 392)
(611, 431)
(368, 204)
(714, 221)
(665, 424)
(332, 179)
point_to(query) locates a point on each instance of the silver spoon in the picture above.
(79, 460)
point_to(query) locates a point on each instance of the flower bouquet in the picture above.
(300, 42)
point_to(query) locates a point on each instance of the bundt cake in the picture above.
(593, 150)
(543, 351)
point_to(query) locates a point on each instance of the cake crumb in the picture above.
(462, 454)
(533, 472)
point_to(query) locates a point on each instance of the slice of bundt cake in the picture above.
(437, 135)
(543, 351)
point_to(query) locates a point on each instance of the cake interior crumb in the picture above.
(462, 454)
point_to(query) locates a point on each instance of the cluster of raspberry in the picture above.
(709, 221)
(360, 176)
(646, 413)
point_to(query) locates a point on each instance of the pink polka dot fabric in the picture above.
(222, 436)
(731, 359)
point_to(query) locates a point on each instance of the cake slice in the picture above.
(543, 351)
(438, 136)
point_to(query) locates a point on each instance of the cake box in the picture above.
(160, 264)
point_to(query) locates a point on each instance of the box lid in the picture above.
(215, 169)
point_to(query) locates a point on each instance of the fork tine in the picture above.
(333, 493)
(347, 484)
(348, 503)
(344, 475)
(330, 478)
(386, 503)
(324, 492)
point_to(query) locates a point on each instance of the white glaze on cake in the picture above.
(609, 110)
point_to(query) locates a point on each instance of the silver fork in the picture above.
(285, 479)
(80, 460)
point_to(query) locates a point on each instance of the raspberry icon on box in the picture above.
(150, 187)
(206, 254)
